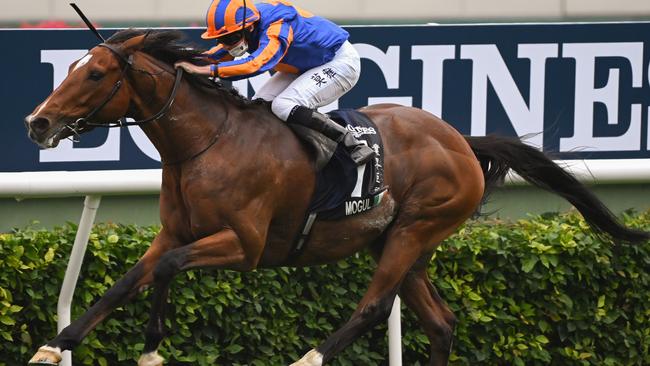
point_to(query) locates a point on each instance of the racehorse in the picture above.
(236, 184)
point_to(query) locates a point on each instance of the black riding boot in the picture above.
(359, 152)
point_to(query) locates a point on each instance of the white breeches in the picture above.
(314, 88)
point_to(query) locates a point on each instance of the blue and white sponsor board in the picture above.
(581, 91)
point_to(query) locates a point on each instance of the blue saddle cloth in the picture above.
(343, 188)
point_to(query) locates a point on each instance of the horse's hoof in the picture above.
(312, 358)
(46, 356)
(151, 359)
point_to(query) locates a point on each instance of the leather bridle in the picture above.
(82, 123)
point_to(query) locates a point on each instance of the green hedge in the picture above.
(536, 292)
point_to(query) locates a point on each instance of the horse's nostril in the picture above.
(39, 124)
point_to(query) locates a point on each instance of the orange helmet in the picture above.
(227, 16)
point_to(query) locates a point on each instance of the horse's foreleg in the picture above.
(434, 316)
(127, 287)
(221, 250)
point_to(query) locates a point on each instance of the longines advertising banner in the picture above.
(579, 91)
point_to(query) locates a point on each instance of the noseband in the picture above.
(81, 123)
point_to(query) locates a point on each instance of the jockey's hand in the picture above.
(193, 69)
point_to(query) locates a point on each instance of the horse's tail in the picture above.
(499, 154)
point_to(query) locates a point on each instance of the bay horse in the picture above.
(236, 184)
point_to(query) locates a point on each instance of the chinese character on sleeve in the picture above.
(318, 79)
(329, 73)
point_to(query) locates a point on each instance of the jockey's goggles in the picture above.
(230, 39)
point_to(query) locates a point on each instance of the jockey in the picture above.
(313, 61)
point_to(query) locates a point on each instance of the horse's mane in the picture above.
(169, 46)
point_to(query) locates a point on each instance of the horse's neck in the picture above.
(199, 119)
(191, 124)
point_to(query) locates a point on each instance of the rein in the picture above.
(77, 126)
(81, 123)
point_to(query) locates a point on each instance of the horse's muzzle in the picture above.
(38, 125)
(39, 130)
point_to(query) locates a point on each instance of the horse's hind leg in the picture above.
(435, 317)
(404, 245)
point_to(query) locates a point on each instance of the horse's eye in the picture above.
(95, 75)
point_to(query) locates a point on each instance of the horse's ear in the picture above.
(133, 45)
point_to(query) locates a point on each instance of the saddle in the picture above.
(344, 189)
